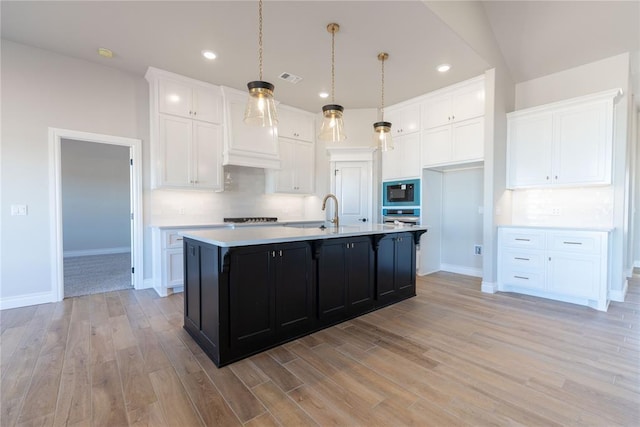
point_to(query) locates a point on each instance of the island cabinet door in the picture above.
(192, 285)
(252, 319)
(294, 289)
(386, 290)
(405, 265)
(395, 271)
(332, 280)
(360, 276)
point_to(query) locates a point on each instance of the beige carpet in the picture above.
(95, 274)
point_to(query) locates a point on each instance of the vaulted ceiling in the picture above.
(533, 38)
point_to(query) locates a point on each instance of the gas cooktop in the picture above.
(251, 219)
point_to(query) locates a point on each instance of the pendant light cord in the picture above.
(382, 96)
(260, 39)
(333, 65)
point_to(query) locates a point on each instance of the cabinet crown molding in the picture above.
(612, 94)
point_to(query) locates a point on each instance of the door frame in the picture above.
(56, 136)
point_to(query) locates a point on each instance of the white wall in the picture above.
(462, 204)
(599, 206)
(499, 100)
(96, 203)
(41, 89)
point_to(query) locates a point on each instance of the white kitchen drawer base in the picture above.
(600, 305)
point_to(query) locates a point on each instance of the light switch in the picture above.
(18, 210)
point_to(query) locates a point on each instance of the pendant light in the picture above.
(261, 108)
(332, 128)
(382, 130)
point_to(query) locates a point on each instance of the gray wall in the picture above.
(95, 197)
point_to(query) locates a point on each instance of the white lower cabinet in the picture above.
(168, 262)
(562, 264)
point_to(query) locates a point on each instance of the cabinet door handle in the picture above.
(273, 254)
(556, 176)
(523, 240)
(547, 178)
(521, 259)
(179, 239)
(572, 243)
(281, 253)
(521, 277)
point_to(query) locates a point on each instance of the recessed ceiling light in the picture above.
(443, 68)
(103, 51)
(323, 95)
(209, 54)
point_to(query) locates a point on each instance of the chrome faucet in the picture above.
(335, 219)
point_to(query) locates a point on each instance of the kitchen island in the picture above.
(250, 289)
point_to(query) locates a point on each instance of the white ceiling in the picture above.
(536, 38)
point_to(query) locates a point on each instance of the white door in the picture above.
(353, 186)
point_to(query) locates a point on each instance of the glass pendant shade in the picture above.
(332, 128)
(382, 135)
(261, 108)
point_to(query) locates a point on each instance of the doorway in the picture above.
(96, 223)
(84, 196)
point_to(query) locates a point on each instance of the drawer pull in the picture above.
(521, 259)
(523, 240)
(520, 277)
(572, 243)
(179, 239)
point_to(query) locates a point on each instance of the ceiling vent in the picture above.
(291, 78)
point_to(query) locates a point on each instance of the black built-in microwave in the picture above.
(401, 193)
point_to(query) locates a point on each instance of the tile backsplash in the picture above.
(244, 195)
(564, 207)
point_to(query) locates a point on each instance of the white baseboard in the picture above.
(636, 264)
(101, 251)
(460, 269)
(424, 273)
(27, 300)
(146, 284)
(489, 287)
(618, 295)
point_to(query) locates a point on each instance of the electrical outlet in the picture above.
(555, 211)
(181, 211)
(477, 249)
(18, 210)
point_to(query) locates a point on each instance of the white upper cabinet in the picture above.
(567, 143)
(296, 124)
(296, 131)
(453, 125)
(191, 101)
(404, 118)
(297, 172)
(186, 132)
(454, 105)
(404, 160)
(246, 145)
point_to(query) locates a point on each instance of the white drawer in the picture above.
(528, 260)
(583, 243)
(523, 238)
(523, 278)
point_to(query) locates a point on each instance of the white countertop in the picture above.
(553, 227)
(246, 236)
(233, 224)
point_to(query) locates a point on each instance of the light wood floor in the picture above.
(450, 356)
